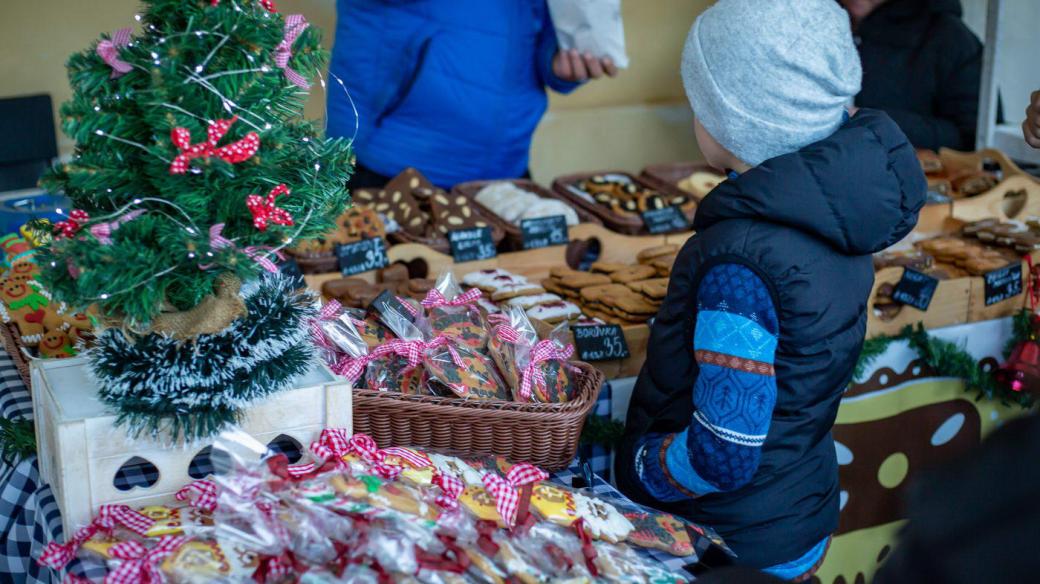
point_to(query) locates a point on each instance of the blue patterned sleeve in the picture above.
(733, 396)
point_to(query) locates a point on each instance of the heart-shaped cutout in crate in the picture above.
(208, 462)
(287, 445)
(136, 472)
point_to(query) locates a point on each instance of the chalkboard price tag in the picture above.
(915, 289)
(470, 245)
(389, 307)
(291, 269)
(665, 220)
(600, 342)
(1003, 283)
(361, 256)
(544, 231)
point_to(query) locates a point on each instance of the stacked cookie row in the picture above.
(618, 293)
(358, 293)
(624, 197)
(503, 289)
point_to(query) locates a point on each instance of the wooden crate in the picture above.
(1015, 198)
(949, 305)
(81, 449)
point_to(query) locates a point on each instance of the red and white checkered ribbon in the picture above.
(413, 351)
(103, 231)
(140, 565)
(233, 153)
(57, 555)
(413, 458)
(73, 224)
(267, 4)
(108, 50)
(333, 444)
(259, 254)
(408, 306)
(451, 487)
(546, 350)
(365, 447)
(435, 299)
(506, 490)
(201, 495)
(295, 24)
(505, 332)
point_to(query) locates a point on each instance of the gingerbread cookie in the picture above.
(654, 288)
(56, 344)
(460, 324)
(657, 251)
(504, 355)
(663, 265)
(475, 378)
(531, 301)
(602, 519)
(554, 312)
(633, 273)
(606, 267)
(27, 306)
(359, 223)
(579, 280)
(554, 504)
(558, 387)
(553, 285)
(659, 531)
(341, 287)
(628, 304)
(79, 325)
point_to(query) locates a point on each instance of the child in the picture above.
(765, 316)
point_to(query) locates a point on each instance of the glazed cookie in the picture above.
(29, 308)
(554, 312)
(456, 467)
(476, 378)
(657, 251)
(461, 324)
(602, 519)
(633, 273)
(56, 344)
(558, 387)
(554, 504)
(659, 531)
(490, 280)
(526, 302)
(514, 289)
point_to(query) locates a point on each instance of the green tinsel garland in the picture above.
(947, 359)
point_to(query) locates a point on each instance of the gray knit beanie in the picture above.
(767, 77)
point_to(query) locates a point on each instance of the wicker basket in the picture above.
(542, 434)
(14, 349)
(625, 224)
(514, 239)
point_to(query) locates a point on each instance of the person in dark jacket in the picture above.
(765, 315)
(454, 88)
(922, 66)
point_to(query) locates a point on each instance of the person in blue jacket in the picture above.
(453, 88)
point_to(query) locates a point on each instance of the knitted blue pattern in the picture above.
(734, 393)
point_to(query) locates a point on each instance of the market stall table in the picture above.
(30, 518)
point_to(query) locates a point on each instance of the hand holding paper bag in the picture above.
(591, 37)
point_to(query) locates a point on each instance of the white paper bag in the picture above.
(592, 26)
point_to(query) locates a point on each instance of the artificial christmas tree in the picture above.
(193, 170)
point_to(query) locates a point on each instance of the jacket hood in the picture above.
(859, 189)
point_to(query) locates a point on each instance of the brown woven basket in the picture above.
(14, 349)
(542, 434)
(514, 239)
(626, 224)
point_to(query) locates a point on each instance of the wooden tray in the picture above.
(668, 175)
(514, 239)
(625, 224)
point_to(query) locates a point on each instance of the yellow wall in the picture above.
(638, 118)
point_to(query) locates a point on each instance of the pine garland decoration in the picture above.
(872, 349)
(602, 431)
(17, 440)
(194, 390)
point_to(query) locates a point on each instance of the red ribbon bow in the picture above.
(258, 253)
(57, 555)
(295, 24)
(545, 350)
(451, 489)
(103, 231)
(264, 210)
(332, 445)
(108, 50)
(268, 4)
(587, 549)
(435, 299)
(369, 451)
(506, 490)
(414, 459)
(140, 564)
(73, 224)
(232, 153)
(201, 495)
